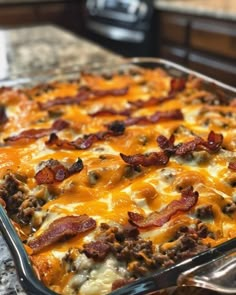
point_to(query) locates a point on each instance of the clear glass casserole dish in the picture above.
(163, 278)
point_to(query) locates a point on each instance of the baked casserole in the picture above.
(108, 178)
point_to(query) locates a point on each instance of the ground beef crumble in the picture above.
(141, 255)
(187, 243)
(20, 205)
(138, 256)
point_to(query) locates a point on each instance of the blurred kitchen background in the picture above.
(199, 34)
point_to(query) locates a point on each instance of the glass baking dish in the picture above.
(187, 270)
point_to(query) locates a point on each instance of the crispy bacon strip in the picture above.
(186, 202)
(167, 144)
(152, 101)
(140, 103)
(212, 145)
(61, 228)
(176, 85)
(84, 94)
(214, 142)
(113, 92)
(155, 118)
(53, 171)
(151, 159)
(3, 115)
(108, 112)
(68, 100)
(188, 147)
(116, 128)
(38, 133)
(232, 166)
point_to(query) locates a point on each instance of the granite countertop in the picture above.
(36, 49)
(225, 9)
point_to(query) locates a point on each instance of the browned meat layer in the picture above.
(141, 255)
(19, 204)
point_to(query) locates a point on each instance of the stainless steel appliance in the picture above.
(123, 26)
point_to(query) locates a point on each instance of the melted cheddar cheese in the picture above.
(108, 188)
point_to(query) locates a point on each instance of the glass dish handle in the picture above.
(218, 275)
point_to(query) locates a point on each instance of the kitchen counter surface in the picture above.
(36, 49)
(225, 9)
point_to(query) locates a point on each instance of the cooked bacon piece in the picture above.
(140, 103)
(212, 145)
(108, 112)
(76, 167)
(54, 140)
(116, 128)
(166, 116)
(152, 101)
(137, 121)
(97, 250)
(186, 202)
(113, 92)
(177, 84)
(69, 100)
(155, 118)
(61, 228)
(167, 144)
(53, 171)
(58, 125)
(83, 94)
(232, 165)
(214, 142)
(3, 115)
(81, 143)
(151, 159)
(188, 147)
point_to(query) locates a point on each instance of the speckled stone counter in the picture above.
(9, 284)
(225, 9)
(37, 49)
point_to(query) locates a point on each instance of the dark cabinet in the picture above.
(52, 12)
(174, 28)
(214, 36)
(207, 45)
(68, 14)
(17, 15)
